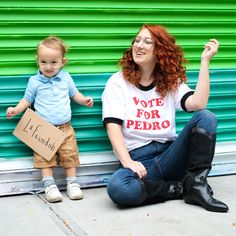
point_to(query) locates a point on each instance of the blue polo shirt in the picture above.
(51, 96)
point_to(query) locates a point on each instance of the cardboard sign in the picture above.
(38, 134)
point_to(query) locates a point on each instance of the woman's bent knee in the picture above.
(123, 194)
(208, 120)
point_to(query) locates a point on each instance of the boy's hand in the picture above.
(88, 101)
(10, 112)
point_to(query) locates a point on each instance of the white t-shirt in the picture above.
(144, 115)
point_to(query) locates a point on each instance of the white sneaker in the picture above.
(74, 192)
(53, 194)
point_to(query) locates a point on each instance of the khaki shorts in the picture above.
(66, 156)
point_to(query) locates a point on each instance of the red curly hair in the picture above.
(169, 71)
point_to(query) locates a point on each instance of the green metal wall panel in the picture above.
(98, 32)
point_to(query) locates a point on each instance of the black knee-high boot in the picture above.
(196, 188)
(160, 191)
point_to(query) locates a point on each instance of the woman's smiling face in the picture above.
(143, 47)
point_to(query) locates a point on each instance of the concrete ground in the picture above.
(31, 215)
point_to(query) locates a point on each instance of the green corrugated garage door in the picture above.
(98, 32)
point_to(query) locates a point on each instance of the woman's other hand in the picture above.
(136, 167)
(210, 49)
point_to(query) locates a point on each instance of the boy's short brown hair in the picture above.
(55, 43)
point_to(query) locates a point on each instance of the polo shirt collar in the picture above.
(45, 79)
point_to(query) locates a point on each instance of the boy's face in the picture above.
(50, 61)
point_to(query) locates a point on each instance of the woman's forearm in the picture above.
(202, 90)
(118, 144)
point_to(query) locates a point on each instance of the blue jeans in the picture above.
(163, 161)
